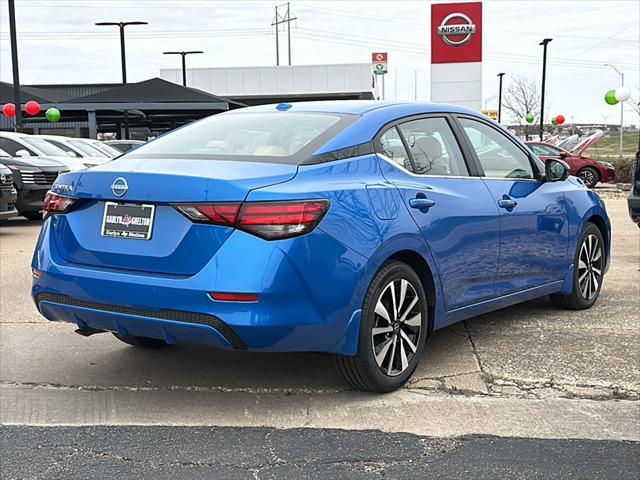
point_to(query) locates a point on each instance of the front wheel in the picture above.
(588, 271)
(589, 176)
(393, 330)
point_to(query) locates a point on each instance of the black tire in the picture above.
(142, 342)
(362, 371)
(578, 300)
(589, 175)
(32, 215)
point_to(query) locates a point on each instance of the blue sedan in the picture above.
(355, 228)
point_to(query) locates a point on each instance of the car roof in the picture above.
(358, 107)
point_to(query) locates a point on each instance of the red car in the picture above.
(589, 171)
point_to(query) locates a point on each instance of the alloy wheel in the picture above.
(396, 329)
(590, 267)
(587, 177)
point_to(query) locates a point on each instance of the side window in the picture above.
(499, 156)
(433, 147)
(11, 147)
(393, 148)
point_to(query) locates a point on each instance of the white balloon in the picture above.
(623, 94)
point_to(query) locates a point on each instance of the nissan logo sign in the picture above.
(464, 30)
(119, 187)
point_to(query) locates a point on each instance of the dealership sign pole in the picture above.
(379, 64)
(456, 54)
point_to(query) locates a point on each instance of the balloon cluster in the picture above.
(558, 120)
(620, 94)
(32, 108)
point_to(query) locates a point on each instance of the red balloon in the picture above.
(9, 109)
(32, 107)
(560, 119)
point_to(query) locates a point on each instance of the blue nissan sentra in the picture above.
(350, 227)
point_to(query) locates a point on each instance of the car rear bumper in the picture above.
(290, 315)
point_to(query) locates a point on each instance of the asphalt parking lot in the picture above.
(529, 371)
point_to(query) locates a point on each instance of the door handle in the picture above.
(507, 202)
(421, 203)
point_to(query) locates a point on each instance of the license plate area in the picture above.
(127, 220)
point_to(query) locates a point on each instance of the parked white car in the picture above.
(23, 145)
(73, 148)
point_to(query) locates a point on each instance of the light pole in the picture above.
(184, 63)
(621, 105)
(123, 60)
(500, 75)
(14, 64)
(544, 44)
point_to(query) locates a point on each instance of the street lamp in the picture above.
(121, 25)
(621, 105)
(184, 64)
(544, 77)
(500, 75)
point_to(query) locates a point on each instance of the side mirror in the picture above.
(22, 153)
(563, 155)
(556, 170)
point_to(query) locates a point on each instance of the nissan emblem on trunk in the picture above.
(465, 29)
(119, 187)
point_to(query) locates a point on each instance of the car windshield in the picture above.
(246, 136)
(88, 149)
(45, 147)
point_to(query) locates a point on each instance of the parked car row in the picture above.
(30, 165)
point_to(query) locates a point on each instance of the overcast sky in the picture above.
(58, 42)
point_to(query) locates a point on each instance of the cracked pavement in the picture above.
(576, 374)
(196, 452)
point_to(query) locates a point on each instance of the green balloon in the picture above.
(554, 121)
(610, 97)
(53, 115)
(530, 118)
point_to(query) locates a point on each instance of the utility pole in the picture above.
(279, 20)
(14, 63)
(415, 85)
(621, 106)
(123, 60)
(276, 23)
(184, 63)
(544, 44)
(500, 97)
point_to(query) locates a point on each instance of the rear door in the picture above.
(454, 210)
(533, 216)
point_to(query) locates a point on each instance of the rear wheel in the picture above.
(141, 342)
(393, 330)
(589, 176)
(588, 271)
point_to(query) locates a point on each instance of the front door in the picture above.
(454, 210)
(534, 241)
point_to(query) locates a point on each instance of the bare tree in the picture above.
(521, 98)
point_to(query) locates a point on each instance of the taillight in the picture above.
(54, 203)
(219, 213)
(268, 220)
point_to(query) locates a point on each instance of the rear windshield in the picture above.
(284, 137)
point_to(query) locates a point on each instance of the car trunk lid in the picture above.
(176, 246)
